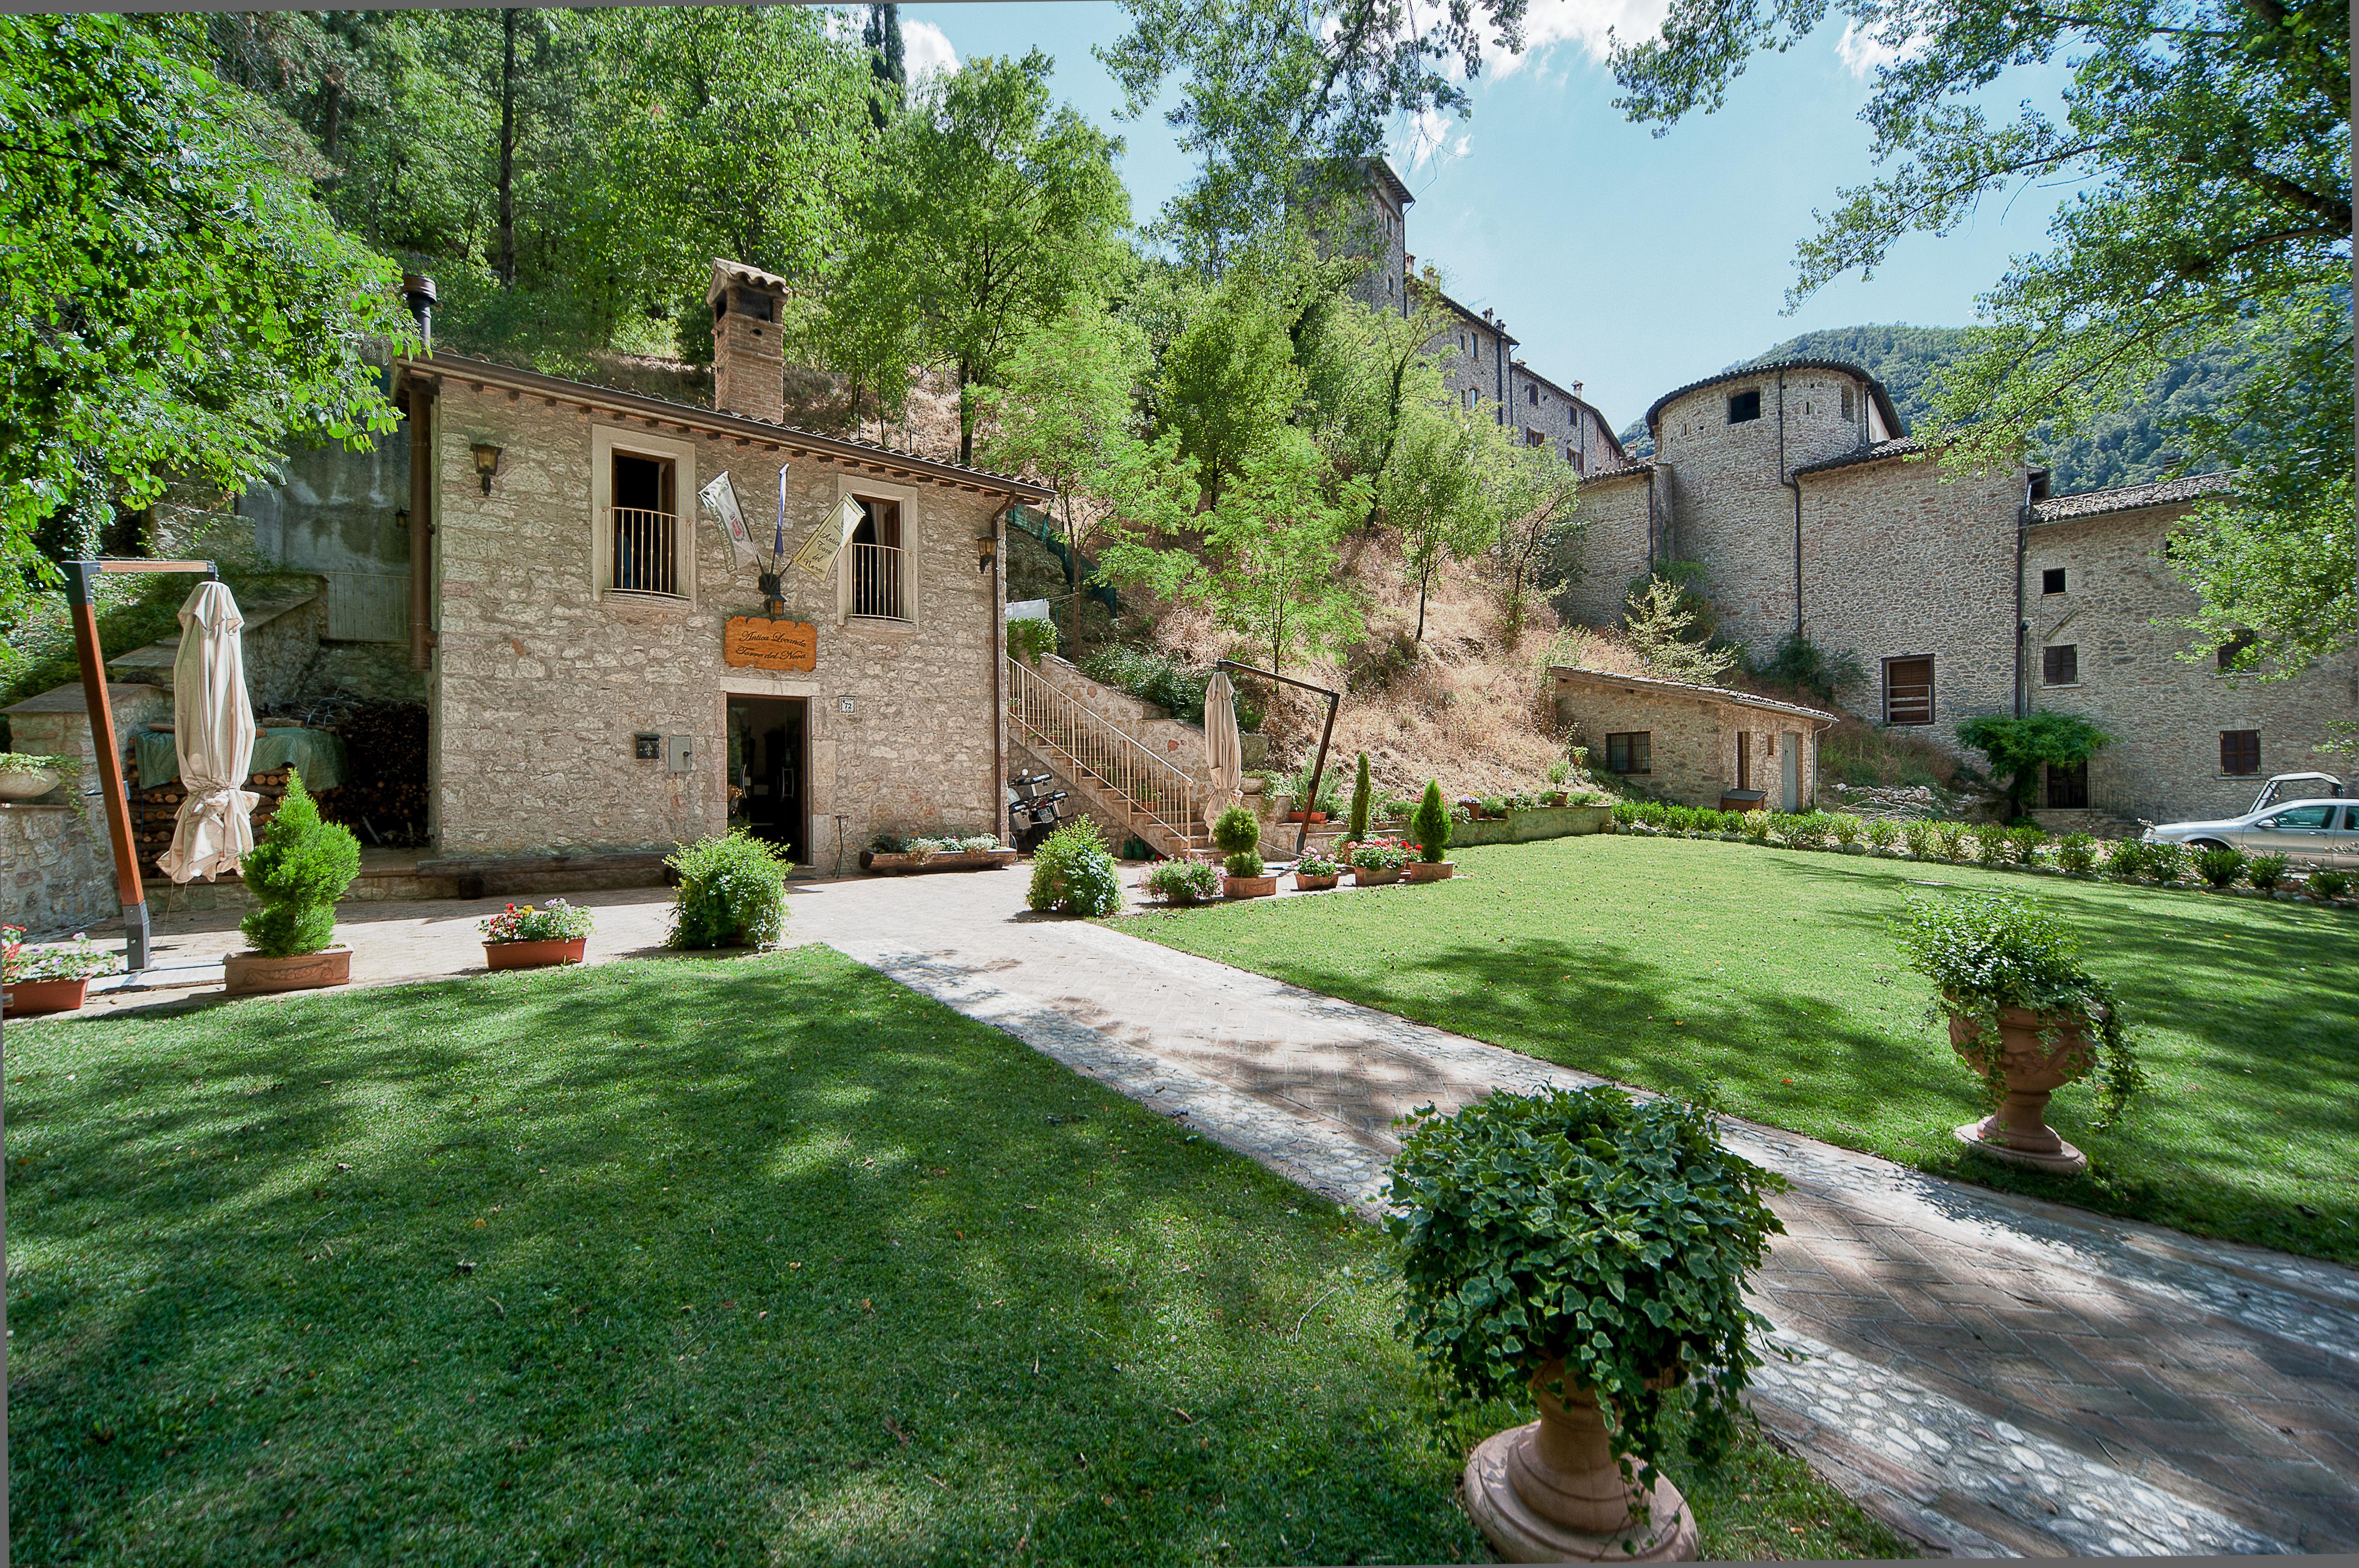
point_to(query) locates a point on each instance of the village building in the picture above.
(1697, 746)
(1808, 510)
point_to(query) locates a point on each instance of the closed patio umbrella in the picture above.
(212, 730)
(1224, 749)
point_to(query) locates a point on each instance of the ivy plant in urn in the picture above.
(1588, 1252)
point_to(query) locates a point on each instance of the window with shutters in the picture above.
(1908, 690)
(2060, 666)
(2240, 751)
(1631, 751)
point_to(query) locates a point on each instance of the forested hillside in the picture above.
(2126, 447)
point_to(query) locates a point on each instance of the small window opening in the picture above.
(1848, 410)
(2233, 649)
(1744, 407)
(2052, 580)
(2240, 751)
(2060, 666)
(1630, 753)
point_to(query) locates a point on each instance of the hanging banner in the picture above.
(720, 499)
(816, 560)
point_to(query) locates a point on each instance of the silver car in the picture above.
(2322, 830)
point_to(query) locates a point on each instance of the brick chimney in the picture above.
(749, 368)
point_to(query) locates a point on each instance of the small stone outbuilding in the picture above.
(1697, 746)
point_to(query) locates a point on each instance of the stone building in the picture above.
(1808, 510)
(603, 678)
(1697, 746)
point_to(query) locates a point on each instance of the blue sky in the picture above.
(1626, 262)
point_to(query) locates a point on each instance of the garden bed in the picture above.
(886, 865)
(1533, 825)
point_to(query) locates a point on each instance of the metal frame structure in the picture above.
(79, 577)
(1318, 767)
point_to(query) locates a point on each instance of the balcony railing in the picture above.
(646, 550)
(875, 576)
(1908, 704)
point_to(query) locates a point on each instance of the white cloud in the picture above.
(926, 50)
(1864, 54)
(1593, 24)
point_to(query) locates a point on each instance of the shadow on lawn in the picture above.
(707, 1264)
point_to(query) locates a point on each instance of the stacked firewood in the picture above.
(154, 811)
(383, 797)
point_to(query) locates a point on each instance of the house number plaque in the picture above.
(766, 644)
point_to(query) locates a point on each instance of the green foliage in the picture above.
(731, 892)
(2024, 844)
(1806, 831)
(556, 921)
(1757, 826)
(1272, 563)
(2327, 882)
(1237, 832)
(1396, 808)
(78, 959)
(1328, 798)
(2076, 853)
(2266, 871)
(1922, 841)
(1883, 833)
(1430, 825)
(1183, 881)
(1244, 863)
(1799, 661)
(1314, 864)
(2222, 865)
(1592, 1242)
(176, 302)
(1950, 840)
(1663, 630)
(1846, 829)
(1985, 951)
(1381, 854)
(1990, 843)
(297, 870)
(1363, 791)
(1071, 871)
(2018, 747)
(2166, 864)
(1031, 640)
(1229, 384)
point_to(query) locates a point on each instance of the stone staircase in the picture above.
(1119, 778)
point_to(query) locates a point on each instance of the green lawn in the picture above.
(752, 1261)
(1768, 980)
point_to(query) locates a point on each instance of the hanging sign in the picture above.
(816, 560)
(720, 499)
(766, 644)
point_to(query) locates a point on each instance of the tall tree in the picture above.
(992, 211)
(175, 300)
(1278, 100)
(1533, 493)
(1230, 384)
(887, 62)
(1272, 561)
(2210, 145)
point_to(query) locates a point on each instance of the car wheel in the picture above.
(2199, 844)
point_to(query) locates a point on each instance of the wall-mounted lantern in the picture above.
(986, 552)
(487, 463)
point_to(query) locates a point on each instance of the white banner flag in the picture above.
(817, 557)
(720, 499)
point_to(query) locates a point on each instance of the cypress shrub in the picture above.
(1364, 800)
(298, 869)
(1430, 825)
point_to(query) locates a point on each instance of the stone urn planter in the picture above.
(534, 954)
(29, 784)
(1429, 870)
(1303, 883)
(2037, 1053)
(252, 973)
(31, 999)
(1375, 876)
(1552, 1491)
(1248, 887)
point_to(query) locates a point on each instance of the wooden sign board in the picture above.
(765, 644)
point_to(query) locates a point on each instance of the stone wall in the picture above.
(2120, 611)
(1693, 740)
(61, 872)
(1901, 559)
(1612, 515)
(543, 679)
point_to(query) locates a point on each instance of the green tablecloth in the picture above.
(318, 755)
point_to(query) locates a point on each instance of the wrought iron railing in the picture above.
(875, 574)
(1146, 791)
(646, 550)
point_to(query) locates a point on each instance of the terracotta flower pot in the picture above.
(30, 998)
(1368, 878)
(1316, 817)
(1247, 886)
(1552, 1491)
(1312, 884)
(1429, 870)
(2039, 1054)
(251, 973)
(534, 954)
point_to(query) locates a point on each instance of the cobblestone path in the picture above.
(1993, 1374)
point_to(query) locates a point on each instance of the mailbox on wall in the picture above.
(680, 752)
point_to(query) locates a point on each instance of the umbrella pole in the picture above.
(110, 765)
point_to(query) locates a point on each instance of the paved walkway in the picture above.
(1994, 1375)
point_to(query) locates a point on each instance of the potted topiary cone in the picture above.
(2024, 1016)
(1238, 833)
(1588, 1252)
(297, 870)
(1430, 825)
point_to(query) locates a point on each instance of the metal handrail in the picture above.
(646, 550)
(1144, 784)
(875, 582)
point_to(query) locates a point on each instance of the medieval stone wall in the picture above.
(543, 680)
(1613, 549)
(2120, 612)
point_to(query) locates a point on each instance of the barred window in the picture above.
(1631, 751)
